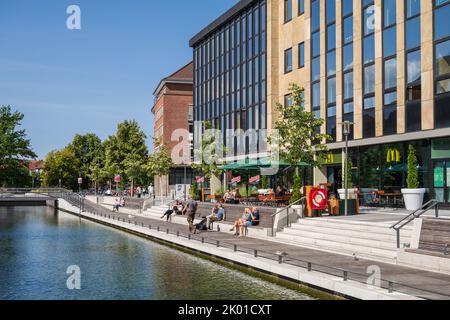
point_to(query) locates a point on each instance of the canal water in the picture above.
(38, 246)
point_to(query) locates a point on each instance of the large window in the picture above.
(288, 60)
(442, 63)
(315, 56)
(331, 68)
(301, 55)
(369, 68)
(287, 10)
(347, 62)
(413, 106)
(390, 67)
(301, 7)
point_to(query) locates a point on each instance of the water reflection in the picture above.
(37, 246)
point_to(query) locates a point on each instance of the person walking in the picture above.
(191, 212)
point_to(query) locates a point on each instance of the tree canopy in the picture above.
(15, 149)
(300, 139)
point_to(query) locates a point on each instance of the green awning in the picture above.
(253, 164)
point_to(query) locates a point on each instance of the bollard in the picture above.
(157, 228)
(345, 275)
(203, 240)
(217, 244)
(256, 253)
(235, 248)
(167, 231)
(178, 233)
(309, 267)
(280, 259)
(150, 226)
(189, 236)
(391, 287)
(129, 221)
(446, 249)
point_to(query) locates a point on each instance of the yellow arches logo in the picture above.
(329, 158)
(393, 155)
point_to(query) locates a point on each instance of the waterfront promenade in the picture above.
(335, 273)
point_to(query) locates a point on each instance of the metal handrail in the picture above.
(432, 204)
(273, 216)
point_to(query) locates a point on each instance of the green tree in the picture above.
(136, 170)
(264, 182)
(61, 165)
(349, 174)
(14, 149)
(296, 189)
(128, 140)
(159, 163)
(87, 149)
(412, 180)
(298, 130)
(210, 153)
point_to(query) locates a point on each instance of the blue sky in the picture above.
(88, 80)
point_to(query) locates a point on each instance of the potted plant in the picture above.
(413, 195)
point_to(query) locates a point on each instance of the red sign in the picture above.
(80, 180)
(200, 179)
(117, 178)
(236, 180)
(318, 199)
(254, 179)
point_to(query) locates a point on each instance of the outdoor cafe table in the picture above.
(393, 195)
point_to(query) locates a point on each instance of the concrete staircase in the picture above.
(368, 240)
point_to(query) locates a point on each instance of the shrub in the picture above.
(296, 188)
(412, 180)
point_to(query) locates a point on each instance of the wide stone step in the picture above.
(370, 253)
(390, 244)
(347, 225)
(380, 236)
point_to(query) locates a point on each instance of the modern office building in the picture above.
(382, 64)
(172, 111)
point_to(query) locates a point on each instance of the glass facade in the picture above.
(230, 76)
(315, 56)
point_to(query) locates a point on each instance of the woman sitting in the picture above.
(240, 223)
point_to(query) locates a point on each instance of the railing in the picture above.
(288, 221)
(432, 204)
(280, 257)
(5, 192)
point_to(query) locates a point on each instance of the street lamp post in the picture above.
(184, 181)
(346, 132)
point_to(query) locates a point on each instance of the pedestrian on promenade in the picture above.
(139, 191)
(150, 190)
(191, 211)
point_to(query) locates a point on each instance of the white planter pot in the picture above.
(413, 198)
(351, 193)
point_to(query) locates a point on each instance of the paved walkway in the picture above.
(415, 282)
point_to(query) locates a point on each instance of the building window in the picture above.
(287, 10)
(301, 55)
(412, 8)
(315, 15)
(348, 30)
(369, 79)
(348, 85)
(288, 60)
(331, 10)
(331, 90)
(315, 69)
(413, 76)
(442, 64)
(331, 63)
(348, 57)
(316, 95)
(389, 13)
(347, 7)
(390, 41)
(441, 24)
(301, 7)
(413, 105)
(288, 101)
(368, 69)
